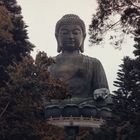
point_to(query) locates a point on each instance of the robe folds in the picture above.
(81, 74)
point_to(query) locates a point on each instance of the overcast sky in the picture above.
(41, 17)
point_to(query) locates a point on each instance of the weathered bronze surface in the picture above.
(84, 76)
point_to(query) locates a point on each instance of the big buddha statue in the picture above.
(84, 76)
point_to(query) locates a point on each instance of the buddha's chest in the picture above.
(69, 69)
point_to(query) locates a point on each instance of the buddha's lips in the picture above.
(69, 42)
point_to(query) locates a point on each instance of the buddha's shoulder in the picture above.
(90, 59)
(56, 57)
(85, 58)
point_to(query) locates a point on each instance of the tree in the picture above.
(14, 44)
(126, 82)
(127, 100)
(25, 84)
(127, 13)
(23, 100)
(6, 25)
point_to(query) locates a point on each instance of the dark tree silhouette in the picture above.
(127, 97)
(128, 19)
(23, 100)
(25, 84)
(14, 44)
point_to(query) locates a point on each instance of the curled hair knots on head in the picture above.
(70, 19)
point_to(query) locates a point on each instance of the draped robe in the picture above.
(81, 74)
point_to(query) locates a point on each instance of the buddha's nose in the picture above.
(71, 35)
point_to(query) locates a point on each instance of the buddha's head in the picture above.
(70, 33)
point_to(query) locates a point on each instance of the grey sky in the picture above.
(41, 17)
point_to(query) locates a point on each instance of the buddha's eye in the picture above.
(63, 32)
(76, 32)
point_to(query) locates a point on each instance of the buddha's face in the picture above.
(70, 37)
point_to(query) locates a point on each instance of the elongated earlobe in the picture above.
(82, 48)
(82, 45)
(59, 48)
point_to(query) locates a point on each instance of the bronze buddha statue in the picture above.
(82, 74)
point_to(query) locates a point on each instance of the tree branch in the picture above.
(111, 26)
(4, 109)
(135, 5)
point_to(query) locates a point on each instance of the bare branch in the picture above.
(4, 109)
(135, 5)
(112, 26)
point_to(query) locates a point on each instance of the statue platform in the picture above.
(76, 121)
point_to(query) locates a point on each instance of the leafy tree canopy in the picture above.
(127, 19)
(23, 100)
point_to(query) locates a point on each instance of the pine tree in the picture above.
(137, 67)
(14, 44)
(126, 108)
(126, 83)
(127, 99)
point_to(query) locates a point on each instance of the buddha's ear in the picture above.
(59, 48)
(82, 45)
(82, 48)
